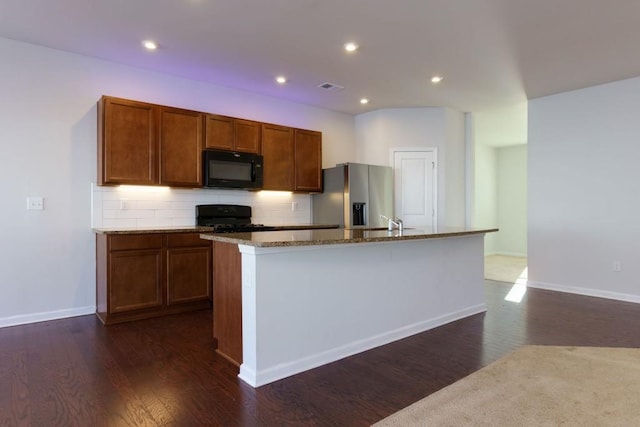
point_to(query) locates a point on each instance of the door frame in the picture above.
(434, 150)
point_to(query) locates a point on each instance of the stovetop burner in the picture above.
(228, 219)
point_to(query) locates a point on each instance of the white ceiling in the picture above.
(492, 53)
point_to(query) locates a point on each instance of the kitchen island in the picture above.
(305, 298)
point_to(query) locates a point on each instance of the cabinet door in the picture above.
(181, 138)
(277, 150)
(127, 144)
(135, 280)
(219, 132)
(188, 274)
(308, 161)
(247, 136)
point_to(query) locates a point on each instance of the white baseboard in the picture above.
(517, 254)
(584, 291)
(45, 316)
(265, 376)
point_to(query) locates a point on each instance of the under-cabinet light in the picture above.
(143, 188)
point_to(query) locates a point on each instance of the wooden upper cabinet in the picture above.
(247, 136)
(278, 153)
(147, 144)
(308, 160)
(181, 136)
(219, 132)
(127, 142)
(230, 134)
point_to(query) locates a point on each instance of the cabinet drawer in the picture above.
(135, 241)
(179, 240)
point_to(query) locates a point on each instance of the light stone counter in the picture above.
(154, 230)
(282, 238)
(200, 229)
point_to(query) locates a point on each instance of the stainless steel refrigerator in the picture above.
(354, 196)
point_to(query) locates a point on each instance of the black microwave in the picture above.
(227, 169)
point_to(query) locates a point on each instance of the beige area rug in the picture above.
(538, 386)
(511, 269)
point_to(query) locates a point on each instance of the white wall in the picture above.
(455, 168)
(501, 197)
(48, 136)
(512, 200)
(378, 132)
(502, 127)
(486, 194)
(583, 190)
(500, 137)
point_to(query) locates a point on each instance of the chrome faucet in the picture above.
(391, 222)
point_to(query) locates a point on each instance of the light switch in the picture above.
(35, 203)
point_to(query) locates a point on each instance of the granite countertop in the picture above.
(199, 229)
(339, 236)
(180, 229)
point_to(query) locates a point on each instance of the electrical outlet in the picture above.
(294, 206)
(35, 203)
(617, 266)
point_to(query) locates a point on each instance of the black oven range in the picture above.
(228, 219)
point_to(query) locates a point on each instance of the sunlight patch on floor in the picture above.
(519, 288)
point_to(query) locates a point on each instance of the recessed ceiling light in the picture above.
(281, 80)
(149, 45)
(364, 101)
(436, 79)
(350, 47)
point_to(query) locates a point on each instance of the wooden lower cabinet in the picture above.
(227, 297)
(136, 280)
(189, 266)
(150, 275)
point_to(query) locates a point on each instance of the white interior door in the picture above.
(415, 187)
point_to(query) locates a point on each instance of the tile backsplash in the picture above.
(145, 207)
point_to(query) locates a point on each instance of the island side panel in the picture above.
(227, 301)
(308, 306)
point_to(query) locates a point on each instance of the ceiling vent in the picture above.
(330, 86)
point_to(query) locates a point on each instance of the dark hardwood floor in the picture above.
(164, 371)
